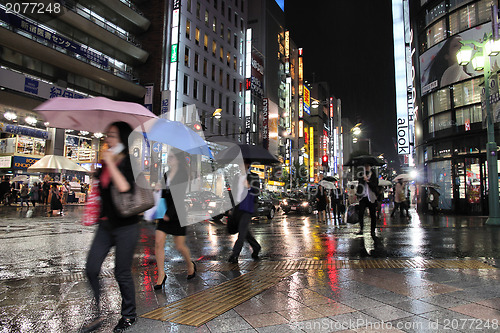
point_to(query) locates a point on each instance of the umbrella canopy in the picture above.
(248, 152)
(178, 135)
(404, 176)
(432, 185)
(53, 163)
(91, 114)
(326, 184)
(383, 182)
(363, 160)
(20, 178)
(330, 178)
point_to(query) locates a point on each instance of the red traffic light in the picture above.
(197, 127)
(325, 158)
(146, 162)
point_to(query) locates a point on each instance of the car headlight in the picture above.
(305, 204)
(285, 202)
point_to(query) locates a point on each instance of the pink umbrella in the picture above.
(91, 114)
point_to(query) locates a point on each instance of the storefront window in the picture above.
(438, 101)
(440, 173)
(435, 12)
(469, 16)
(30, 146)
(79, 149)
(8, 146)
(468, 92)
(472, 114)
(442, 121)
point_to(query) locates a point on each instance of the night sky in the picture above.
(349, 44)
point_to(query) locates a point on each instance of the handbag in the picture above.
(352, 214)
(233, 220)
(92, 209)
(133, 202)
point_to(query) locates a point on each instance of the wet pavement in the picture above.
(423, 274)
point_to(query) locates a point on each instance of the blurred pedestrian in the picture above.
(434, 200)
(25, 195)
(336, 200)
(321, 203)
(45, 192)
(34, 192)
(178, 175)
(5, 191)
(114, 230)
(367, 193)
(399, 198)
(244, 210)
(56, 206)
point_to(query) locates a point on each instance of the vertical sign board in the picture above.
(165, 103)
(400, 78)
(173, 55)
(311, 153)
(265, 122)
(148, 97)
(307, 100)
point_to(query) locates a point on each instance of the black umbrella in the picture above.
(330, 178)
(249, 152)
(363, 160)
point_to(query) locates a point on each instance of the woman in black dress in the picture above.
(178, 175)
(321, 203)
(55, 200)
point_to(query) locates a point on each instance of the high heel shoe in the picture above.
(159, 286)
(191, 276)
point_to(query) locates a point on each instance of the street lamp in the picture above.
(481, 61)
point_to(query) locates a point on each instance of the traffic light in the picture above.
(324, 160)
(197, 126)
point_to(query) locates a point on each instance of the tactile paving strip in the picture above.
(197, 309)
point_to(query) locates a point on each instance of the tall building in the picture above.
(85, 48)
(450, 136)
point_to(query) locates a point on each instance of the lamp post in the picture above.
(481, 60)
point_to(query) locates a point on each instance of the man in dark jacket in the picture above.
(4, 190)
(367, 193)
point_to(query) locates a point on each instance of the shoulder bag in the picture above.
(133, 202)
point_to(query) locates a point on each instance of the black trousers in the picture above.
(244, 234)
(124, 239)
(336, 203)
(363, 203)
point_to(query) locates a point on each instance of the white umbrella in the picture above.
(383, 182)
(54, 163)
(20, 178)
(326, 184)
(404, 176)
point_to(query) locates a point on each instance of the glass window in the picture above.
(28, 145)
(188, 29)
(227, 84)
(196, 60)
(198, 10)
(228, 58)
(195, 89)
(229, 36)
(212, 98)
(215, 3)
(242, 6)
(438, 101)
(442, 121)
(436, 33)
(188, 6)
(235, 65)
(431, 125)
(236, 20)
(468, 92)
(186, 85)
(205, 67)
(235, 41)
(214, 24)
(221, 53)
(222, 31)
(214, 48)
(229, 14)
(221, 78)
(213, 72)
(204, 96)
(197, 36)
(241, 25)
(234, 85)
(186, 56)
(206, 18)
(435, 12)
(222, 8)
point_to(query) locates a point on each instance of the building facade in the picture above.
(450, 135)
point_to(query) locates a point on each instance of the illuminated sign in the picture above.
(174, 33)
(21, 162)
(173, 53)
(307, 100)
(301, 107)
(311, 152)
(331, 107)
(301, 74)
(301, 128)
(265, 119)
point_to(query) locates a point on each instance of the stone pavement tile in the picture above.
(251, 307)
(285, 328)
(474, 294)
(267, 319)
(340, 295)
(478, 311)
(444, 301)
(279, 305)
(387, 313)
(492, 303)
(179, 328)
(332, 308)
(9, 312)
(308, 297)
(60, 323)
(390, 297)
(371, 291)
(355, 320)
(360, 303)
(416, 306)
(300, 314)
(228, 324)
(320, 325)
(416, 324)
(487, 274)
(444, 317)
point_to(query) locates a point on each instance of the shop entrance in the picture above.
(469, 187)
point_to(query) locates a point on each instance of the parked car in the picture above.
(266, 206)
(201, 200)
(298, 203)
